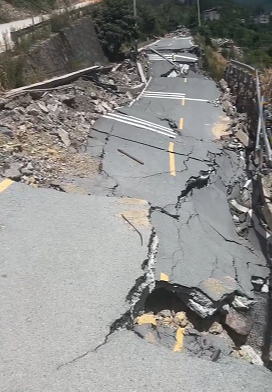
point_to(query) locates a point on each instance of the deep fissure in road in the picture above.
(191, 322)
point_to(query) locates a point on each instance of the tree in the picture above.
(115, 25)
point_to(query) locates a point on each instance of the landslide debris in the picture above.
(44, 133)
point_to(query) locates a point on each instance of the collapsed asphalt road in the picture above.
(77, 269)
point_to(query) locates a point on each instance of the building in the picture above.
(263, 19)
(211, 14)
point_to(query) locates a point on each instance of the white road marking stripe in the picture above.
(148, 95)
(164, 93)
(179, 96)
(141, 126)
(139, 120)
(156, 57)
(143, 91)
(197, 99)
(161, 96)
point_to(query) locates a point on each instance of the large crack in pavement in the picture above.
(213, 297)
(194, 298)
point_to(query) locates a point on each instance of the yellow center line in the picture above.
(172, 159)
(179, 339)
(164, 277)
(5, 184)
(181, 121)
(183, 102)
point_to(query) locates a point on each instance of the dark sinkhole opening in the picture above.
(166, 320)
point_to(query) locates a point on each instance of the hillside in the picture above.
(266, 4)
(11, 10)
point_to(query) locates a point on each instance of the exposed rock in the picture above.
(52, 127)
(43, 107)
(181, 319)
(165, 313)
(64, 137)
(238, 322)
(216, 328)
(243, 137)
(200, 345)
(32, 110)
(257, 282)
(228, 107)
(248, 353)
(265, 288)
(6, 131)
(223, 84)
(2, 103)
(10, 105)
(36, 94)
(13, 172)
(28, 169)
(242, 303)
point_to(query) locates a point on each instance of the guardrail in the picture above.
(263, 140)
(242, 66)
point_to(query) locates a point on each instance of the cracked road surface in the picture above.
(74, 270)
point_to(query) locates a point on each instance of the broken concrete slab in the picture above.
(243, 137)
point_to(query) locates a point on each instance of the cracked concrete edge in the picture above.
(137, 295)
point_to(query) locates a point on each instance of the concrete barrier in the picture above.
(54, 82)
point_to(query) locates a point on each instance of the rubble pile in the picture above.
(44, 133)
(239, 136)
(224, 334)
(125, 73)
(223, 42)
(181, 32)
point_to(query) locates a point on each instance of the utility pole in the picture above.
(198, 13)
(136, 26)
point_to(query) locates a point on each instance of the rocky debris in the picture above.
(241, 124)
(181, 319)
(13, 171)
(124, 74)
(242, 303)
(216, 328)
(223, 42)
(237, 322)
(181, 32)
(43, 134)
(164, 317)
(174, 331)
(216, 103)
(258, 283)
(200, 345)
(169, 322)
(247, 353)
